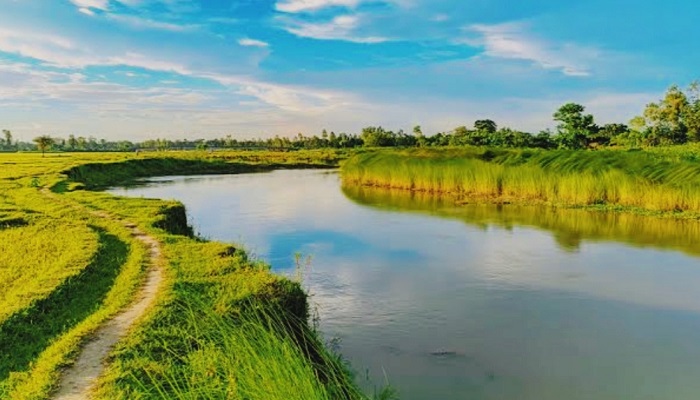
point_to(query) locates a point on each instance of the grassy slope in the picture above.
(208, 337)
(659, 181)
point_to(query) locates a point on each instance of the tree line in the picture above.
(674, 119)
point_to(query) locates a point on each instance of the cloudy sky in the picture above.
(132, 69)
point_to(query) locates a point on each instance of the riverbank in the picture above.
(222, 326)
(648, 182)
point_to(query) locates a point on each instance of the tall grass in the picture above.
(51, 246)
(228, 328)
(252, 355)
(640, 180)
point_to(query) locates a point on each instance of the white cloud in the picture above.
(59, 52)
(248, 42)
(51, 48)
(341, 27)
(176, 6)
(91, 4)
(14, 39)
(145, 112)
(512, 41)
(145, 62)
(145, 23)
(26, 82)
(86, 11)
(295, 6)
(297, 99)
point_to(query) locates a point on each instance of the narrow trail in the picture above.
(79, 380)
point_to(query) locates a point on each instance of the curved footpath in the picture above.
(78, 381)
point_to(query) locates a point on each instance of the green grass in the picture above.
(28, 333)
(210, 341)
(45, 334)
(224, 326)
(33, 263)
(102, 173)
(211, 303)
(666, 182)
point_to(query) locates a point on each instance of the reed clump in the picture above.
(662, 182)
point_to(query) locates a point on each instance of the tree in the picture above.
(575, 128)
(82, 143)
(418, 134)
(543, 140)
(607, 133)
(43, 143)
(72, 142)
(333, 140)
(486, 126)
(666, 122)
(691, 114)
(460, 136)
(377, 137)
(8, 137)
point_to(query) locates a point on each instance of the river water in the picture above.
(476, 301)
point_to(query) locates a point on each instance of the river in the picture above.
(476, 301)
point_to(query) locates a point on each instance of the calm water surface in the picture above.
(476, 302)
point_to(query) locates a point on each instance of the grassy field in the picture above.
(664, 181)
(224, 326)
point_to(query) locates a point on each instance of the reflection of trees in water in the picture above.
(569, 227)
(569, 241)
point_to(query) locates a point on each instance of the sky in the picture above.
(137, 69)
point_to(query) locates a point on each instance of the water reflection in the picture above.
(570, 227)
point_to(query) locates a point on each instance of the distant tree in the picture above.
(607, 134)
(8, 138)
(333, 140)
(200, 144)
(72, 142)
(377, 137)
(691, 114)
(575, 128)
(418, 134)
(440, 139)
(43, 143)
(165, 144)
(459, 136)
(667, 122)
(485, 125)
(543, 140)
(82, 143)
(506, 137)
(638, 124)
(228, 141)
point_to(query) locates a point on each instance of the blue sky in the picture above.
(133, 69)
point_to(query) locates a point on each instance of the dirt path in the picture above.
(79, 380)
